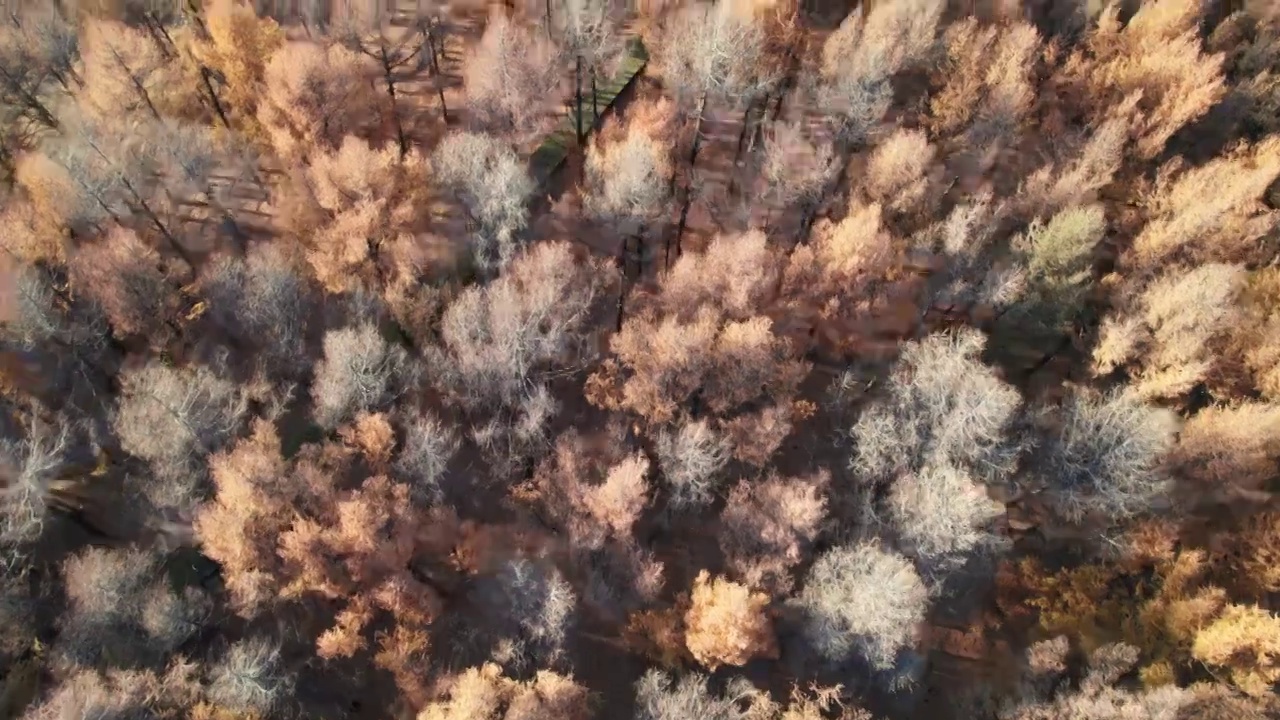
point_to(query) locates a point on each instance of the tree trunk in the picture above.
(684, 217)
(742, 135)
(435, 71)
(387, 76)
(548, 3)
(213, 96)
(697, 131)
(577, 94)
(595, 112)
(806, 222)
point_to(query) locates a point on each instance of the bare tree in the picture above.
(588, 31)
(508, 77)
(529, 608)
(119, 172)
(493, 184)
(31, 468)
(943, 517)
(711, 51)
(863, 601)
(628, 182)
(360, 371)
(67, 337)
(661, 697)
(365, 27)
(122, 611)
(502, 339)
(428, 446)
(38, 50)
(797, 169)
(171, 417)
(251, 678)
(942, 406)
(264, 301)
(1105, 457)
(691, 459)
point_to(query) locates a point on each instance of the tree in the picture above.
(627, 183)
(1157, 53)
(1229, 447)
(358, 206)
(1245, 641)
(1179, 318)
(700, 334)
(124, 277)
(942, 406)
(313, 97)
(1208, 212)
(360, 371)
(898, 171)
(691, 459)
(987, 88)
(942, 517)
(173, 417)
(588, 32)
(589, 489)
(251, 678)
(364, 27)
(1058, 257)
(1097, 697)
(484, 693)
(862, 601)
(127, 72)
(238, 527)
(768, 527)
(428, 447)
(797, 168)
(508, 76)
(235, 56)
(493, 185)
(727, 623)
(502, 340)
(265, 303)
(122, 611)
(860, 57)
(357, 548)
(117, 694)
(528, 609)
(1105, 456)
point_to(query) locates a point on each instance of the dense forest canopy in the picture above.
(688, 360)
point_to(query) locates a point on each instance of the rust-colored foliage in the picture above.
(727, 624)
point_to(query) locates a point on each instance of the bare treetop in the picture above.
(712, 50)
(508, 77)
